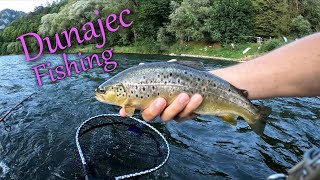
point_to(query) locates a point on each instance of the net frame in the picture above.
(125, 176)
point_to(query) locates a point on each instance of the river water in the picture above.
(41, 142)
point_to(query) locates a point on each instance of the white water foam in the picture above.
(4, 169)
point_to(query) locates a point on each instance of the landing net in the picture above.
(111, 146)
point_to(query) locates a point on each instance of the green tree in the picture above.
(150, 15)
(9, 34)
(311, 12)
(3, 49)
(300, 26)
(186, 20)
(271, 18)
(231, 21)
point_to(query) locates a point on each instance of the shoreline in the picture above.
(171, 54)
(191, 51)
(207, 57)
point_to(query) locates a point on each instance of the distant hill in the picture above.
(7, 16)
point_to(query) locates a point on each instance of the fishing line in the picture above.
(115, 147)
(17, 106)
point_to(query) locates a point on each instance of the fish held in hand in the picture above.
(137, 87)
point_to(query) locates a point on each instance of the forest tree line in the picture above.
(171, 21)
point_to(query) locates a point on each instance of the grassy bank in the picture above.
(192, 49)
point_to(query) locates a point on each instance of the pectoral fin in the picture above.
(230, 118)
(129, 110)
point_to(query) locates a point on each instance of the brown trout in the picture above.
(137, 87)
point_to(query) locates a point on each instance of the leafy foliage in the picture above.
(232, 21)
(159, 23)
(271, 45)
(311, 12)
(271, 18)
(300, 26)
(186, 19)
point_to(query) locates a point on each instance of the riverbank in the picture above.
(230, 52)
(198, 50)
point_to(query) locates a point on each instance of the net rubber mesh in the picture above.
(120, 147)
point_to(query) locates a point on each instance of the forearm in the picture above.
(293, 70)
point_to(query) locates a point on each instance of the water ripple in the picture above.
(41, 142)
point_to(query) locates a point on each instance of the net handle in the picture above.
(84, 163)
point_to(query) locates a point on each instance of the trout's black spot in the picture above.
(158, 75)
(170, 74)
(165, 82)
(131, 92)
(158, 93)
(136, 87)
(214, 85)
(229, 90)
(148, 95)
(178, 80)
(204, 89)
(144, 89)
(205, 75)
(185, 72)
(144, 77)
(137, 95)
(199, 79)
(141, 97)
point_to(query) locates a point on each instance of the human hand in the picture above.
(181, 108)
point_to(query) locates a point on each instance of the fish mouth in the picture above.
(99, 98)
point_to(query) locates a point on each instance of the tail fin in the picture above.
(260, 124)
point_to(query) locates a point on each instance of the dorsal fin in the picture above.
(193, 64)
(243, 92)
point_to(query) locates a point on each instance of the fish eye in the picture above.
(100, 90)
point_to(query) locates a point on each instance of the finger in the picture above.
(179, 119)
(176, 107)
(123, 112)
(154, 109)
(193, 104)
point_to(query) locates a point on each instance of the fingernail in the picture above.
(183, 99)
(157, 105)
(198, 97)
